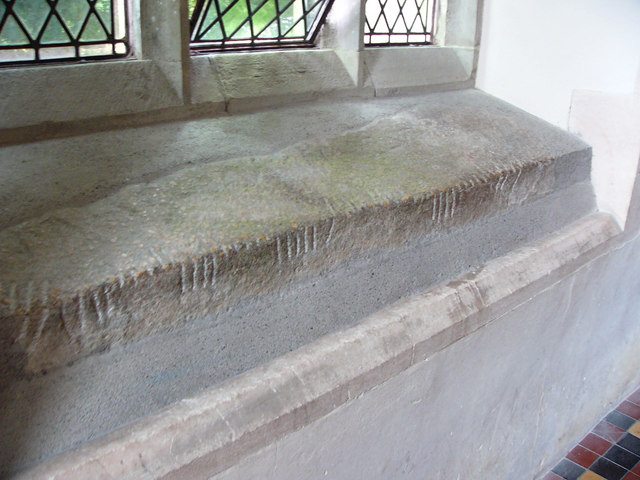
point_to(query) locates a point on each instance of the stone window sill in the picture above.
(240, 82)
(72, 92)
(116, 93)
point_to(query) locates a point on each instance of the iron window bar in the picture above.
(400, 22)
(258, 24)
(62, 30)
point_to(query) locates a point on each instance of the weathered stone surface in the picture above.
(253, 81)
(109, 88)
(205, 435)
(71, 172)
(205, 84)
(151, 256)
(422, 69)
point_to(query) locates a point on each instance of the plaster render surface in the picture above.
(611, 123)
(506, 394)
(511, 316)
(540, 77)
(590, 88)
(395, 69)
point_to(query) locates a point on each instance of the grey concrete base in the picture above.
(490, 364)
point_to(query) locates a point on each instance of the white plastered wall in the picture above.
(575, 63)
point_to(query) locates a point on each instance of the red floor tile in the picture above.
(630, 409)
(635, 397)
(595, 444)
(608, 432)
(582, 456)
(552, 476)
(610, 452)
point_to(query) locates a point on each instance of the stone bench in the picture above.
(160, 286)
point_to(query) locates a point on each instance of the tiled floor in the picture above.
(611, 451)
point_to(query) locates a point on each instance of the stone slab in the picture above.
(38, 177)
(152, 256)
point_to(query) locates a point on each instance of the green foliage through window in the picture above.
(237, 24)
(400, 22)
(54, 30)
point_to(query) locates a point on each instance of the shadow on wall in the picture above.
(610, 123)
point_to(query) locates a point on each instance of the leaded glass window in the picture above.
(242, 24)
(55, 30)
(400, 22)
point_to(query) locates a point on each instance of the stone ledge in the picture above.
(422, 68)
(204, 435)
(247, 82)
(61, 93)
(151, 257)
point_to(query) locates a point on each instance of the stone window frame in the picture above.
(151, 78)
(162, 74)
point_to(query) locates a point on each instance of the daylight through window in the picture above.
(242, 24)
(55, 30)
(400, 22)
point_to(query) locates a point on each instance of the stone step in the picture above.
(216, 267)
(151, 256)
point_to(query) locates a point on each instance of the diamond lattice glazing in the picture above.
(55, 30)
(241, 24)
(400, 22)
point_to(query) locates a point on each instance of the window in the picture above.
(241, 24)
(55, 30)
(400, 22)
(158, 72)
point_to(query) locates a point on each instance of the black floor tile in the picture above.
(607, 469)
(568, 470)
(622, 457)
(631, 443)
(610, 438)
